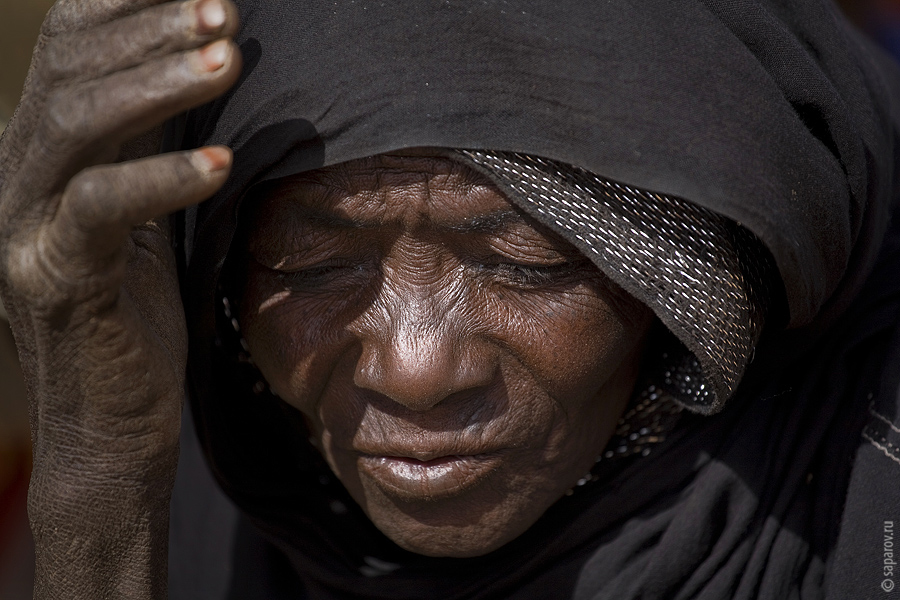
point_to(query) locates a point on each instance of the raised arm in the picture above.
(89, 282)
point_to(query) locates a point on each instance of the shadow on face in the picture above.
(459, 365)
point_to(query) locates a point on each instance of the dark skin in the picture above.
(88, 277)
(426, 344)
(460, 366)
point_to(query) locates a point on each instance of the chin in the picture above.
(464, 526)
(448, 541)
(452, 547)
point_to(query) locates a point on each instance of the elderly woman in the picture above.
(492, 300)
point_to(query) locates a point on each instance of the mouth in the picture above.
(414, 480)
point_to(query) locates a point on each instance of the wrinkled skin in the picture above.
(89, 281)
(459, 365)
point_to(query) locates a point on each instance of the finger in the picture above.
(77, 259)
(64, 17)
(71, 54)
(86, 126)
(102, 205)
(130, 41)
(77, 15)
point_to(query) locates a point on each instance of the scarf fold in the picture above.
(776, 117)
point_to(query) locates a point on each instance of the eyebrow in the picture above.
(488, 223)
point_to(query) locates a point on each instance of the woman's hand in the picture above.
(89, 281)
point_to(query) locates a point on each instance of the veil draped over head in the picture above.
(774, 118)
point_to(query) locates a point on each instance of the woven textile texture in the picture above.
(701, 274)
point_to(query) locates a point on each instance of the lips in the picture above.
(414, 480)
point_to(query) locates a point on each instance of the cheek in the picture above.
(573, 342)
(581, 353)
(295, 339)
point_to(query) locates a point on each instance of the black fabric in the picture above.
(772, 114)
(709, 281)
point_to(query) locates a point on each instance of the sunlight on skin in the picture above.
(459, 366)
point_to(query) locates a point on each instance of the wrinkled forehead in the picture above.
(408, 188)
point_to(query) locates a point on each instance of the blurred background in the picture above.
(20, 21)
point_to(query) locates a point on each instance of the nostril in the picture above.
(423, 374)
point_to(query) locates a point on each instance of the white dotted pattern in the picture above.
(678, 258)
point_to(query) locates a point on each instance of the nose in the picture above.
(418, 355)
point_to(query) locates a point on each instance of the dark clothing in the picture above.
(775, 115)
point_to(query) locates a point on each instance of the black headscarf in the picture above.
(774, 115)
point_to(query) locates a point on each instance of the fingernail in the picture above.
(211, 159)
(211, 16)
(213, 56)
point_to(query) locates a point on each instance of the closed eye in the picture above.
(531, 275)
(332, 272)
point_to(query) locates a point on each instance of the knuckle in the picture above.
(56, 60)
(93, 218)
(64, 125)
(83, 186)
(23, 272)
(53, 289)
(85, 200)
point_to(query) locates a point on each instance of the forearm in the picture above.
(105, 439)
(100, 532)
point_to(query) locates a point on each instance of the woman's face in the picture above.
(460, 366)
